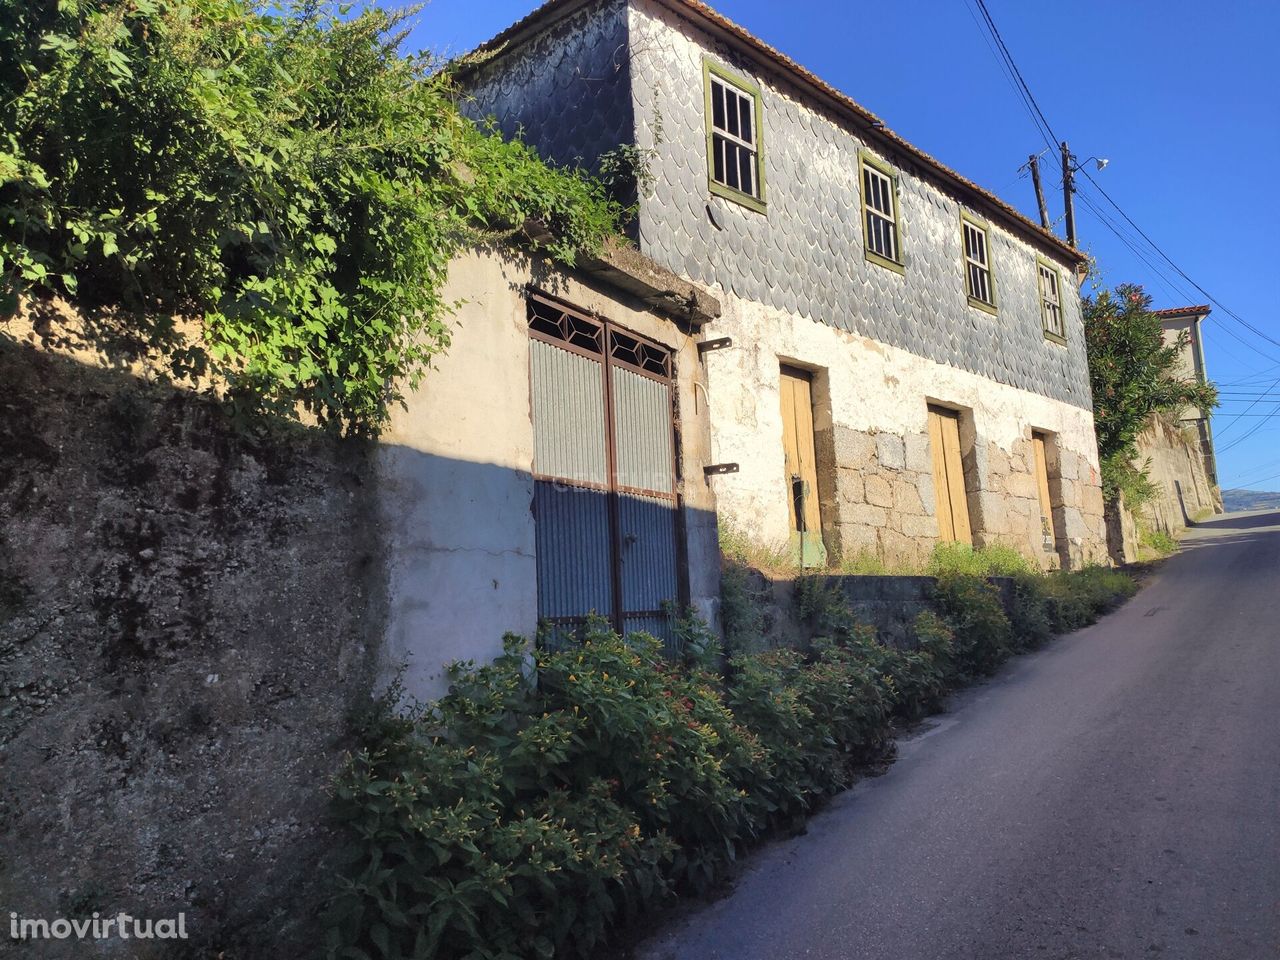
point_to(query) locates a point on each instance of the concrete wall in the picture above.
(871, 426)
(455, 473)
(1177, 470)
(188, 617)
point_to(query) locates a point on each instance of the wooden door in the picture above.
(1042, 484)
(801, 470)
(948, 476)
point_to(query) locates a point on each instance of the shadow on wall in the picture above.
(184, 617)
(188, 618)
(470, 547)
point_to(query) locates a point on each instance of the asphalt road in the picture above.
(1114, 795)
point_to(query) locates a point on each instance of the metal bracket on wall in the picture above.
(715, 469)
(720, 343)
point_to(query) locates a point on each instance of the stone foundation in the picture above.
(874, 463)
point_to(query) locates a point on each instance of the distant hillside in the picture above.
(1234, 500)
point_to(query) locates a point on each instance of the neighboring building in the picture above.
(1176, 451)
(551, 464)
(1175, 321)
(907, 359)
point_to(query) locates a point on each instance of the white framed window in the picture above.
(880, 214)
(733, 137)
(979, 284)
(1051, 302)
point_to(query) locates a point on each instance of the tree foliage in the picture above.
(1134, 375)
(285, 174)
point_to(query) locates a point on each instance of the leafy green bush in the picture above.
(1030, 614)
(972, 609)
(523, 819)
(741, 615)
(540, 804)
(1160, 541)
(281, 172)
(1077, 598)
(996, 560)
(1134, 373)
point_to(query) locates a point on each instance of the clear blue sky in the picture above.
(1182, 97)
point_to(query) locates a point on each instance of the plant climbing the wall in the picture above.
(285, 173)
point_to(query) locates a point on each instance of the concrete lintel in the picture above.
(625, 268)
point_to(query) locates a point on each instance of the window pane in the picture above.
(731, 165)
(717, 105)
(747, 164)
(731, 113)
(744, 112)
(717, 158)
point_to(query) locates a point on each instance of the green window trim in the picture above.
(867, 159)
(1050, 335)
(717, 188)
(993, 305)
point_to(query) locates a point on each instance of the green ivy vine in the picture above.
(284, 173)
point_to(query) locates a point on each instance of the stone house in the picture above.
(899, 358)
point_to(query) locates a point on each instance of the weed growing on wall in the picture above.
(282, 172)
(996, 560)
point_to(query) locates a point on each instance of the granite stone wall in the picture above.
(874, 463)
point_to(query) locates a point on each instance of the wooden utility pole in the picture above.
(1068, 188)
(1034, 162)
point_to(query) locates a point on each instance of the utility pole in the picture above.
(1068, 188)
(1034, 162)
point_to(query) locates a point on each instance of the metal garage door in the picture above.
(605, 502)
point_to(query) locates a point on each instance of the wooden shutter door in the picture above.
(1042, 484)
(796, 389)
(948, 476)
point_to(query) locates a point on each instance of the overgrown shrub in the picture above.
(916, 680)
(972, 609)
(1077, 598)
(1134, 373)
(996, 560)
(547, 799)
(740, 613)
(1030, 615)
(282, 172)
(516, 818)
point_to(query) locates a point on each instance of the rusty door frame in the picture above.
(612, 490)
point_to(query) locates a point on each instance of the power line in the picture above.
(1051, 139)
(1182, 273)
(1042, 123)
(1249, 433)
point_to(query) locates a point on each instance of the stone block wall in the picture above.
(874, 464)
(884, 504)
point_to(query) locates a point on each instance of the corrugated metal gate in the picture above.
(605, 502)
